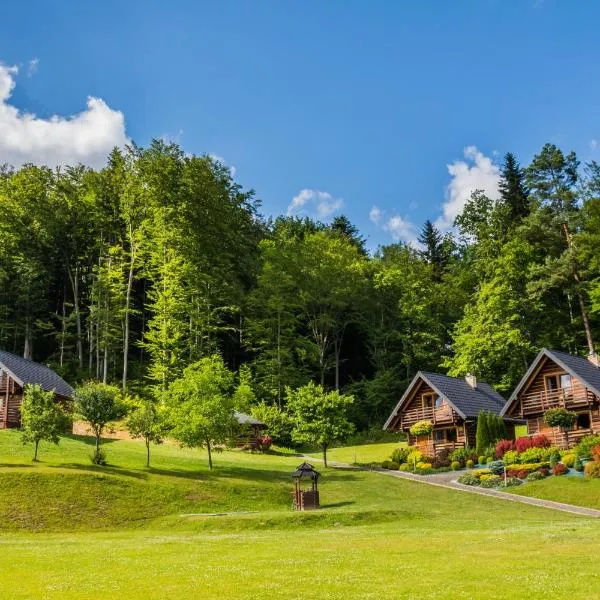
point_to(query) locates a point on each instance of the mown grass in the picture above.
(361, 455)
(118, 532)
(571, 490)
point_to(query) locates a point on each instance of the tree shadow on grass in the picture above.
(18, 465)
(102, 470)
(90, 440)
(337, 504)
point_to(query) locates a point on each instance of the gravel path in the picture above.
(448, 480)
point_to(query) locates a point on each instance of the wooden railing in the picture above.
(443, 414)
(562, 398)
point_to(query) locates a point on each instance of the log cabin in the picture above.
(17, 372)
(250, 430)
(451, 404)
(558, 380)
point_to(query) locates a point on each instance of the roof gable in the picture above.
(577, 366)
(26, 372)
(465, 400)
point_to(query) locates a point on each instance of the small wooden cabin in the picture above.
(17, 372)
(558, 380)
(250, 430)
(451, 404)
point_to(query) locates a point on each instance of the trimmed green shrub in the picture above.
(390, 465)
(489, 460)
(481, 460)
(512, 482)
(592, 469)
(511, 457)
(468, 479)
(496, 467)
(560, 417)
(578, 465)
(586, 444)
(490, 481)
(568, 460)
(462, 455)
(400, 454)
(455, 466)
(421, 428)
(405, 467)
(423, 466)
(534, 455)
(535, 476)
(415, 456)
(481, 472)
(470, 464)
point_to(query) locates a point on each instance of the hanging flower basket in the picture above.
(421, 428)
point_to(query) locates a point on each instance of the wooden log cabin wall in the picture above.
(11, 396)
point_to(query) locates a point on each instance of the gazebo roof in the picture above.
(305, 470)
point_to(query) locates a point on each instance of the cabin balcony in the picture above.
(540, 402)
(441, 415)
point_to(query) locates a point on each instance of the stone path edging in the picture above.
(454, 485)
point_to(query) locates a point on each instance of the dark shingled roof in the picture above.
(469, 401)
(26, 372)
(306, 470)
(579, 367)
(244, 419)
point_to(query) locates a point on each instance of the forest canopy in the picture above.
(131, 273)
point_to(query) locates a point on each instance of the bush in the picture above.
(596, 453)
(592, 469)
(470, 464)
(560, 469)
(421, 428)
(560, 417)
(533, 441)
(468, 479)
(400, 455)
(535, 476)
(489, 460)
(415, 456)
(522, 471)
(455, 466)
(545, 471)
(98, 457)
(390, 465)
(481, 460)
(584, 448)
(578, 465)
(481, 472)
(462, 455)
(568, 460)
(405, 467)
(264, 443)
(496, 467)
(424, 466)
(490, 481)
(503, 446)
(536, 455)
(511, 457)
(512, 482)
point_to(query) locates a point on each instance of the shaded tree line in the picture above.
(129, 274)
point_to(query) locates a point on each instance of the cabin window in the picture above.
(551, 383)
(565, 381)
(428, 400)
(583, 421)
(441, 436)
(438, 402)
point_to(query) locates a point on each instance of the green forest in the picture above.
(129, 274)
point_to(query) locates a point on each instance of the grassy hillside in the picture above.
(73, 530)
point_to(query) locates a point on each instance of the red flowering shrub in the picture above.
(264, 442)
(533, 441)
(596, 453)
(503, 446)
(560, 469)
(512, 472)
(522, 474)
(544, 471)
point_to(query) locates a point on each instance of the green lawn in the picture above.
(362, 455)
(70, 530)
(571, 490)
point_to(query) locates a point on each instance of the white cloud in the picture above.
(593, 144)
(401, 229)
(86, 137)
(32, 66)
(221, 160)
(375, 215)
(476, 172)
(322, 203)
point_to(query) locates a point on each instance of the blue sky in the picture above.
(387, 111)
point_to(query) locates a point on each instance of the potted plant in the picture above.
(562, 418)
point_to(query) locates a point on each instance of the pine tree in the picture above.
(482, 437)
(513, 191)
(434, 248)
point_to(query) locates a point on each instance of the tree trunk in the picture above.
(28, 346)
(148, 452)
(325, 455)
(126, 332)
(37, 443)
(209, 455)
